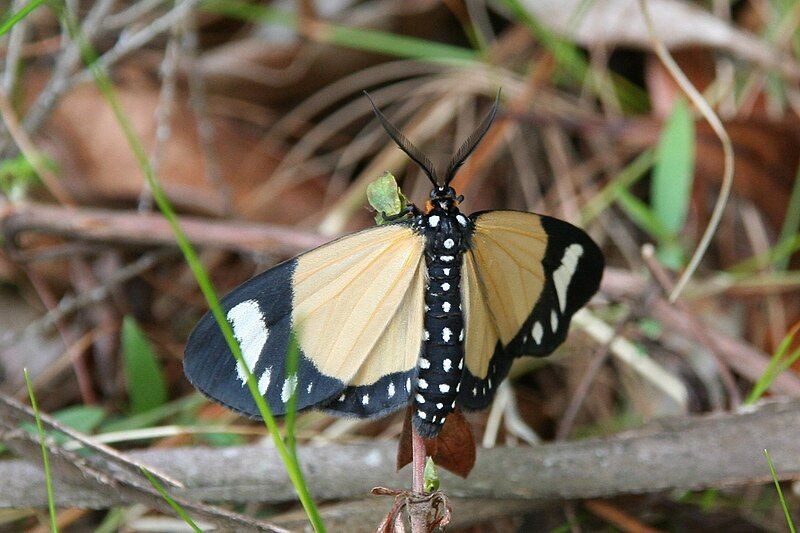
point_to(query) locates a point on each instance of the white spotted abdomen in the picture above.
(441, 361)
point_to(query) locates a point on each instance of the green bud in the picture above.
(385, 196)
(430, 477)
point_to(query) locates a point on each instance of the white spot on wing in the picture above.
(461, 363)
(537, 332)
(563, 274)
(390, 390)
(420, 398)
(365, 400)
(263, 381)
(553, 320)
(341, 398)
(439, 405)
(446, 307)
(288, 387)
(422, 414)
(408, 384)
(446, 334)
(433, 221)
(446, 271)
(445, 286)
(422, 384)
(308, 389)
(444, 387)
(424, 363)
(446, 258)
(461, 336)
(426, 335)
(250, 331)
(447, 365)
(461, 220)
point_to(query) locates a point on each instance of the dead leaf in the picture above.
(453, 448)
(677, 24)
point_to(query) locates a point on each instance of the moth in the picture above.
(429, 309)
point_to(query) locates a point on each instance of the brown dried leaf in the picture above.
(677, 24)
(453, 448)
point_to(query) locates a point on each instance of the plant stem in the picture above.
(417, 481)
(418, 462)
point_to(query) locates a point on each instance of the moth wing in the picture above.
(337, 300)
(526, 276)
(383, 382)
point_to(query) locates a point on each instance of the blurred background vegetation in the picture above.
(251, 116)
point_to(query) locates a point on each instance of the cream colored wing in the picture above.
(355, 307)
(347, 294)
(525, 275)
(507, 251)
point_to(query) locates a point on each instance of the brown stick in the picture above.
(691, 453)
(418, 476)
(131, 227)
(747, 360)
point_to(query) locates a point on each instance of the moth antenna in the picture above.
(405, 145)
(472, 141)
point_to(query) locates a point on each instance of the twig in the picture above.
(354, 515)
(718, 450)
(70, 304)
(105, 476)
(597, 360)
(30, 152)
(13, 52)
(619, 518)
(417, 477)
(133, 42)
(727, 149)
(624, 350)
(65, 65)
(748, 361)
(131, 228)
(197, 97)
(163, 114)
(14, 412)
(661, 275)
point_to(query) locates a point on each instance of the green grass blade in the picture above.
(791, 223)
(48, 478)
(172, 503)
(103, 82)
(776, 366)
(9, 23)
(629, 175)
(786, 513)
(643, 216)
(335, 34)
(671, 186)
(144, 378)
(292, 360)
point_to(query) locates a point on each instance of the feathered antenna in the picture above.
(405, 145)
(472, 141)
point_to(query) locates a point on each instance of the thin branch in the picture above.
(727, 149)
(131, 228)
(677, 453)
